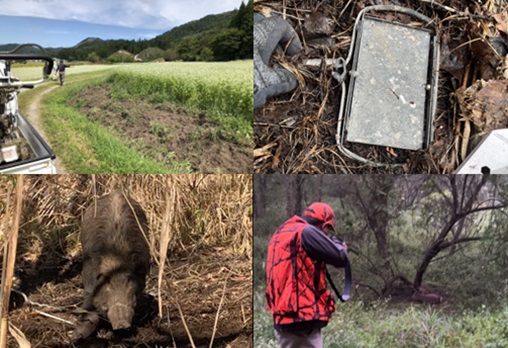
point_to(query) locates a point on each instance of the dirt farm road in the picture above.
(34, 116)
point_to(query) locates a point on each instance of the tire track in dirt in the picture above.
(34, 116)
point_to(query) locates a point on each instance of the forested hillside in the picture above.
(221, 37)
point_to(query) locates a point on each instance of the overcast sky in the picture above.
(64, 23)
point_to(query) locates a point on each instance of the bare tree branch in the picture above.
(458, 241)
(470, 189)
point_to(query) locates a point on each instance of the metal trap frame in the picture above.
(392, 94)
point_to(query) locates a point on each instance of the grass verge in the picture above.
(86, 147)
(382, 325)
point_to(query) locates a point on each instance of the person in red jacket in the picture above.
(296, 292)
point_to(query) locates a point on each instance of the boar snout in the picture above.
(120, 316)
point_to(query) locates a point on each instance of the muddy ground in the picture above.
(166, 132)
(295, 132)
(194, 281)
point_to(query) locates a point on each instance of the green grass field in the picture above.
(221, 91)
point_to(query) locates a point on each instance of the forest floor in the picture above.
(296, 133)
(205, 287)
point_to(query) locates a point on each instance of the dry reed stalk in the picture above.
(218, 310)
(171, 330)
(208, 210)
(5, 238)
(94, 186)
(47, 315)
(185, 325)
(8, 269)
(19, 336)
(165, 237)
(3, 310)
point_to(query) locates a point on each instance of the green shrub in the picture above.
(380, 324)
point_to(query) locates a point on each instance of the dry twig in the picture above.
(185, 324)
(218, 310)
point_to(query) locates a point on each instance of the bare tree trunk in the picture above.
(430, 253)
(464, 191)
(320, 189)
(259, 195)
(294, 194)
(375, 207)
(288, 184)
(456, 235)
(299, 180)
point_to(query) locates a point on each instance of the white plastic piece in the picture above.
(9, 153)
(489, 157)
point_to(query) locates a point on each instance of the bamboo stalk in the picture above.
(11, 261)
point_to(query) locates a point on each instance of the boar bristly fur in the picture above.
(116, 259)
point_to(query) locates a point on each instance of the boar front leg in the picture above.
(89, 275)
(88, 321)
(87, 326)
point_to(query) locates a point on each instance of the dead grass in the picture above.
(202, 222)
(207, 210)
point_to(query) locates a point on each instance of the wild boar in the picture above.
(116, 259)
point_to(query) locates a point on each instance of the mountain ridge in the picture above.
(192, 36)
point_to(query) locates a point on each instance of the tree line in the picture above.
(223, 37)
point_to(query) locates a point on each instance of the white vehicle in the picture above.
(22, 150)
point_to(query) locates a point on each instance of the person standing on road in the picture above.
(61, 71)
(296, 290)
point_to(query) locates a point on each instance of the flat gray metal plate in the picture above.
(388, 100)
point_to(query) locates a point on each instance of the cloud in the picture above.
(143, 14)
(57, 32)
(147, 36)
